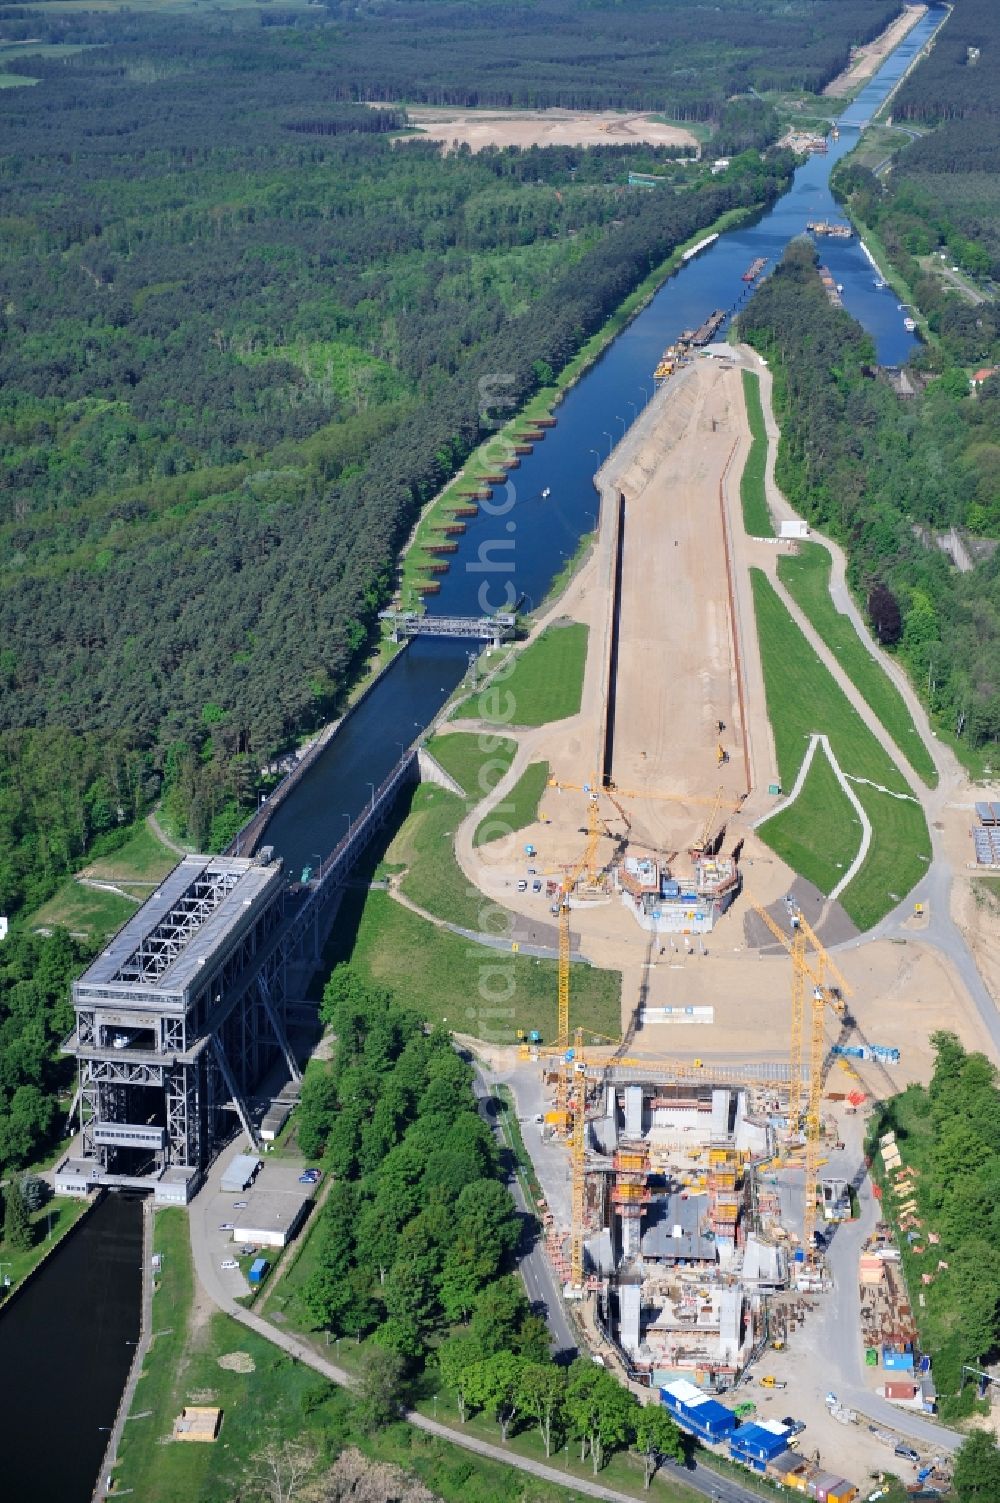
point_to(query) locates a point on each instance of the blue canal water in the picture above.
(524, 537)
(66, 1345)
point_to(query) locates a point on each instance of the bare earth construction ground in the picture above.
(479, 129)
(868, 59)
(677, 679)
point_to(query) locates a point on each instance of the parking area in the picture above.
(258, 1220)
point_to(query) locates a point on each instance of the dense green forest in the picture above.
(949, 1135)
(943, 190)
(869, 468)
(416, 1241)
(35, 1016)
(240, 341)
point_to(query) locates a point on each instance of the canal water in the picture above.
(66, 1345)
(524, 536)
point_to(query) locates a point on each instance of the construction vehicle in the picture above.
(771, 1382)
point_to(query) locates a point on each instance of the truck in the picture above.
(258, 1271)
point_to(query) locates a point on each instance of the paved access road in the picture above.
(534, 1267)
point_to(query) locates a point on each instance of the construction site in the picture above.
(704, 1190)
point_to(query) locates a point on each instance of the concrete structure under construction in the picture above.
(672, 1226)
(177, 1021)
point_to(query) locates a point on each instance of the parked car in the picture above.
(536, 886)
(239, 1205)
(796, 1426)
(907, 1453)
(522, 885)
(225, 1226)
(229, 1263)
(307, 1179)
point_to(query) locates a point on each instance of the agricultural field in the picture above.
(802, 698)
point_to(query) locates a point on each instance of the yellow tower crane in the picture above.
(803, 971)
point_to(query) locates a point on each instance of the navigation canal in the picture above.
(526, 535)
(66, 1345)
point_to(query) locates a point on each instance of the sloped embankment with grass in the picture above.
(803, 699)
(756, 513)
(806, 577)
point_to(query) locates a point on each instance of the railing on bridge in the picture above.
(493, 629)
(336, 867)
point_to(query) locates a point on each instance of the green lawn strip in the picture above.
(51, 1224)
(489, 993)
(806, 576)
(545, 683)
(83, 910)
(803, 698)
(623, 1471)
(756, 514)
(822, 846)
(519, 809)
(425, 845)
(476, 762)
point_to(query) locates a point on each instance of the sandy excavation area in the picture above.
(679, 672)
(479, 129)
(868, 59)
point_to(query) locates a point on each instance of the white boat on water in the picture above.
(879, 284)
(909, 324)
(546, 493)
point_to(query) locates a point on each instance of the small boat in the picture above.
(546, 493)
(909, 324)
(879, 284)
(840, 286)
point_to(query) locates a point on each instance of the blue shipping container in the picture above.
(258, 1268)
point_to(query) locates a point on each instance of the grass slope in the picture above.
(519, 809)
(823, 846)
(425, 845)
(83, 910)
(475, 989)
(806, 576)
(476, 762)
(545, 684)
(802, 698)
(756, 515)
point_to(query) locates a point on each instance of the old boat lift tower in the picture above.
(185, 1012)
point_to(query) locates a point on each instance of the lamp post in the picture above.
(635, 410)
(611, 442)
(318, 868)
(623, 423)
